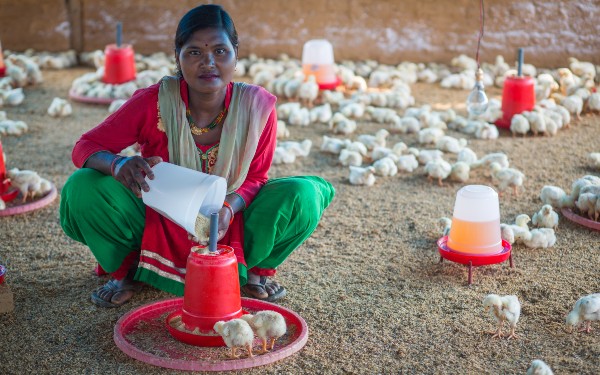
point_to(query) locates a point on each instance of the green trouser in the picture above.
(99, 212)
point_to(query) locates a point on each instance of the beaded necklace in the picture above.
(196, 130)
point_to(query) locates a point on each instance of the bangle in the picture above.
(114, 164)
(226, 204)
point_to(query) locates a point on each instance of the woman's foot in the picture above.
(260, 287)
(115, 292)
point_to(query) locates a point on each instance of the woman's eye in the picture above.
(220, 51)
(194, 53)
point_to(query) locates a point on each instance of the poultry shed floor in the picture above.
(368, 282)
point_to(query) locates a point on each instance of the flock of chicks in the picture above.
(239, 333)
(508, 309)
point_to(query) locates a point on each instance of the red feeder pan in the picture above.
(2, 273)
(141, 334)
(569, 214)
(7, 193)
(473, 260)
(518, 95)
(330, 85)
(211, 294)
(119, 64)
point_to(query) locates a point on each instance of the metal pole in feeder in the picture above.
(214, 232)
(520, 63)
(119, 34)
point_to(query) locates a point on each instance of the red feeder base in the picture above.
(89, 100)
(330, 85)
(30, 206)
(141, 334)
(473, 260)
(569, 214)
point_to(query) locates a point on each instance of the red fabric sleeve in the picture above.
(121, 129)
(260, 165)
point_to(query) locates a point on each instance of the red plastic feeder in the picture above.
(211, 294)
(2, 66)
(119, 64)
(7, 192)
(518, 95)
(2, 273)
(473, 260)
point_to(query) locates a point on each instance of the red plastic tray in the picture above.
(89, 100)
(569, 214)
(30, 206)
(475, 259)
(141, 334)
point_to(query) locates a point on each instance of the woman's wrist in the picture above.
(228, 206)
(113, 164)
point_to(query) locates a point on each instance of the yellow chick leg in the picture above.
(586, 327)
(249, 348)
(264, 346)
(512, 334)
(233, 355)
(440, 181)
(515, 190)
(498, 333)
(272, 343)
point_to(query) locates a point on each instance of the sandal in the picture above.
(111, 289)
(257, 290)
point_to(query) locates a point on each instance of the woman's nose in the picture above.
(208, 59)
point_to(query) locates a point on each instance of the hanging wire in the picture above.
(481, 23)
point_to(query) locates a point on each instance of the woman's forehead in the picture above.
(210, 36)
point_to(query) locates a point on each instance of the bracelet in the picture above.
(226, 204)
(114, 164)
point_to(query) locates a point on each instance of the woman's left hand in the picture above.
(224, 219)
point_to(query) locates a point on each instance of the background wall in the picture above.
(389, 31)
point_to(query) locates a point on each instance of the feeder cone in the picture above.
(119, 64)
(317, 60)
(518, 96)
(211, 294)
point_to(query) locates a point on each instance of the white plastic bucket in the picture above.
(180, 193)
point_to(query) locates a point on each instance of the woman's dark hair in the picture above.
(204, 17)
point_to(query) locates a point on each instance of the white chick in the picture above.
(545, 218)
(537, 238)
(425, 156)
(236, 333)
(284, 110)
(487, 160)
(268, 325)
(593, 102)
(446, 224)
(503, 308)
(385, 167)
(450, 144)
(537, 122)
(340, 124)
(539, 367)
(332, 145)
(439, 169)
(362, 176)
(519, 125)
(373, 140)
(556, 197)
(407, 163)
(594, 157)
(586, 203)
(430, 135)
(467, 155)
(298, 148)
(510, 232)
(28, 182)
(282, 130)
(487, 131)
(60, 108)
(348, 157)
(283, 156)
(299, 117)
(115, 105)
(585, 310)
(506, 177)
(308, 91)
(321, 113)
(460, 171)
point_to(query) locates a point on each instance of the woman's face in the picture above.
(207, 60)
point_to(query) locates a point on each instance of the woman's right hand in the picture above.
(130, 171)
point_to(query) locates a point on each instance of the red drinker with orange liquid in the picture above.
(476, 221)
(317, 60)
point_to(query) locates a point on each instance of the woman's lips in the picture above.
(208, 76)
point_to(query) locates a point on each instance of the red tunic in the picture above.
(165, 246)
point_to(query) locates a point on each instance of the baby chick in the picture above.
(506, 177)
(539, 367)
(268, 325)
(586, 309)
(503, 308)
(545, 218)
(236, 333)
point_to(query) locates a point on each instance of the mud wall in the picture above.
(389, 31)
